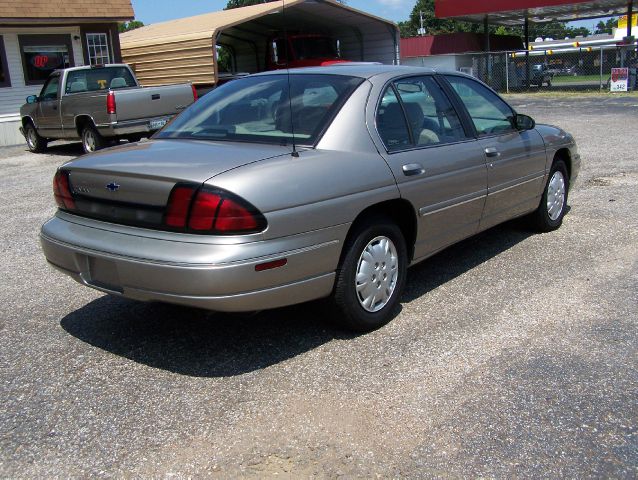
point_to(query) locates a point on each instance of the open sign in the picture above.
(46, 61)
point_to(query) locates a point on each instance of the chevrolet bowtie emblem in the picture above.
(113, 187)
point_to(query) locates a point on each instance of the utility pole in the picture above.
(421, 30)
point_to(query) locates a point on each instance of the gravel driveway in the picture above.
(514, 355)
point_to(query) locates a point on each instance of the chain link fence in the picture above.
(574, 69)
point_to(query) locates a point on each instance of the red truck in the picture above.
(303, 50)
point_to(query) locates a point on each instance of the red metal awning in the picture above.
(514, 12)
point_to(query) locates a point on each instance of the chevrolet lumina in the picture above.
(326, 182)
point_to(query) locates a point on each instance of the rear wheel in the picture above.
(549, 214)
(35, 142)
(371, 276)
(91, 139)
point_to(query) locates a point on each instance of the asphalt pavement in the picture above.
(514, 354)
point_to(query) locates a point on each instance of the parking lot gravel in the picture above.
(514, 354)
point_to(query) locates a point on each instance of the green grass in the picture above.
(578, 79)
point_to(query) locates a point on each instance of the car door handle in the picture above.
(413, 169)
(492, 152)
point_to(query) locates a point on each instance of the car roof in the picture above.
(355, 69)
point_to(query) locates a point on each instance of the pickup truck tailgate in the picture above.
(149, 102)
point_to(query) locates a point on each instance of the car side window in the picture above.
(50, 89)
(489, 113)
(391, 123)
(430, 114)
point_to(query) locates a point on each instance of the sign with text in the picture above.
(619, 80)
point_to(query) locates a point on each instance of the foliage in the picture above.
(132, 25)
(606, 27)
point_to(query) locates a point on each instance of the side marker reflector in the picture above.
(270, 265)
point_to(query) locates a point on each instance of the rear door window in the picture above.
(391, 122)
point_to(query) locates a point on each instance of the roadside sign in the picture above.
(619, 80)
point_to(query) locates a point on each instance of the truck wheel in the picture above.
(91, 139)
(35, 142)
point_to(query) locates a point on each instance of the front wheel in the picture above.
(91, 139)
(35, 142)
(371, 276)
(549, 214)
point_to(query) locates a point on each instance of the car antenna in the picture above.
(295, 153)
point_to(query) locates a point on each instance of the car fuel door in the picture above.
(438, 169)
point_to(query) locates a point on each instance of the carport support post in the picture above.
(526, 33)
(601, 68)
(630, 11)
(488, 66)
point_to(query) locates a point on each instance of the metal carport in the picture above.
(184, 49)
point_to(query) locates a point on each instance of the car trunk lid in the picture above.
(131, 184)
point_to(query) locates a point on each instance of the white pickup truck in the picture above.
(99, 105)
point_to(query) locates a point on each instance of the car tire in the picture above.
(35, 142)
(91, 139)
(370, 277)
(549, 214)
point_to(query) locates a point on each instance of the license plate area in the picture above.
(103, 274)
(157, 124)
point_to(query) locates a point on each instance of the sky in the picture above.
(153, 11)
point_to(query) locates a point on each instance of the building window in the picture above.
(42, 54)
(5, 81)
(98, 48)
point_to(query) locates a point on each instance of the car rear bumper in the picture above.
(219, 277)
(131, 127)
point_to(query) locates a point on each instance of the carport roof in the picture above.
(206, 25)
(514, 12)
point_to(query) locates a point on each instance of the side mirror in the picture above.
(32, 99)
(524, 122)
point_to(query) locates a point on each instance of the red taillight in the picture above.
(194, 93)
(62, 191)
(233, 217)
(211, 211)
(178, 204)
(204, 210)
(110, 103)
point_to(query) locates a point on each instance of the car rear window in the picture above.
(78, 81)
(259, 109)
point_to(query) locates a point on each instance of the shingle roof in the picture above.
(72, 9)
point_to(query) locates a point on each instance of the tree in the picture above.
(606, 27)
(132, 25)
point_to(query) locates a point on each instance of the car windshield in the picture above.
(103, 78)
(258, 109)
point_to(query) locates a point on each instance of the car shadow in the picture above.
(196, 342)
(199, 343)
(462, 257)
(67, 149)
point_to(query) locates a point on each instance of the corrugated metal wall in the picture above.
(174, 62)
